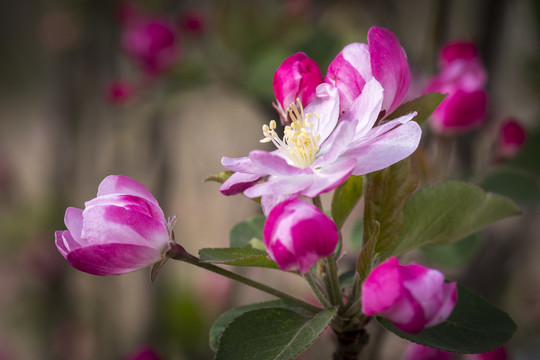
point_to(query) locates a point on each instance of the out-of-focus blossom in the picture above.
(497, 354)
(152, 42)
(296, 78)
(420, 352)
(381, 58)
(462, 77)
(123, 229)
(412, 297)
(297, 234)
(511, 139)
(120, 91)
(317, 153)
(192, 22)
(143, 353)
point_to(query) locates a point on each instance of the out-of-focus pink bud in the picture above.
(511, 139)
(412, 297)
(463, 78)
(296, 78)
(123, 229)
(382, 58)
(297, 234)
(497, 354)
(120, 91)
(193, 22)
(152, 42)
(143, 353)
(419, 352)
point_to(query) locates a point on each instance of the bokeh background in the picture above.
(77, 104)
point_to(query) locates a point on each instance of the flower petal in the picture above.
(330, 177)
(389, 66)
(120, 184)
(238, 182)
(386, 149)
(326, 107)
(74, 222)
(280, 185)
(113, 258)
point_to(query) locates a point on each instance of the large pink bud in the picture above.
(123, 229)
(296, 78)
(297, 234)
(412, 297)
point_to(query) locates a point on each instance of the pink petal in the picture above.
(74, 222)
(280, 185)
(460, 112)
(326, 106)
(113, 258)
(115, 224)
(365, 109)
(268, 201)
(336, 144)
(130, 202)
(65, 242)
(382, 288)
(120, 184)
(458, 50)
(329, 177)
(386, 149)
(238, 182)
(389, 66)
(274, 164)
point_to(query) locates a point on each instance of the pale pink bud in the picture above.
(420, 352)
(412, 297)
(497, 354)
(511, 139)
(123, 229)
(297, 234)
(151, 42)
(296, 78)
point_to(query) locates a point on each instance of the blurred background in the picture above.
(160, 91)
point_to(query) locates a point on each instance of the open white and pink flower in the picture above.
(320, 149)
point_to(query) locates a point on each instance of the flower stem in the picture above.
(317, 289)
(177, 252)
(333, 281)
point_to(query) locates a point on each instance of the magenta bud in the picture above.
(412, 297)
(512, 137)
(297, 234)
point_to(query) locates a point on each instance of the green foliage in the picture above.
(453, 254)
(271, 334)
(386, 195)
(475, 326)
(243, 232)
(424, 106)
(220, 177)
(448, 212)
(522, 187)
(221, 323)
(345, 198)
(244, 256)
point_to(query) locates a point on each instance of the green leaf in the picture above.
(385, 198)
(222, 322)
(271, 334)
(345, 198)
(244, 256)
(448, 212)
(475, 326)
(220, 177)
(453, 254)
(243, 232)
(424, 106)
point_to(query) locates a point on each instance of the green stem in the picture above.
(177, 252)
(317, 289)
(333, 281)
(317, 202)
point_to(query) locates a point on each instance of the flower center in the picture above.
(300, 139)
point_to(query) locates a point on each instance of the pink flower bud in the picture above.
(463, 78)
(296, 78)
(420, 352)
(151, 42)
(120, 92)
(512, 137)
(412, 297)
(143, 353)
(497, 354)
(297, 234)
(123, 229)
